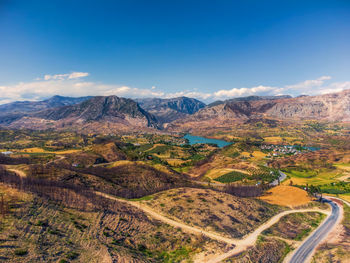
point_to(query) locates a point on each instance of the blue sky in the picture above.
(205, 49)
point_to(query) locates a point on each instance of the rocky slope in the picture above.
(168, 110)
(329, 107)
(250, 98)
(98, 114)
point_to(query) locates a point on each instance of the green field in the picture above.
(315, 177)
(231, 177)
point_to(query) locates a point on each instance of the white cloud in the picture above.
(222, 94)
(191, 94)
(73, 84)
(73, 75)
(335, 87)
(70, 84)
(305, 86)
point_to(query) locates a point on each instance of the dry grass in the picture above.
(259, 154)
(48, 232)
(155, 146)
(215, 173)
(212, 211)
(40, 150)
(159, 167)
(245, 154)
(175, 162)
(286, 196)
(122, 162)
(13, 195)
(273, 140)
(345, 167)
(296, 181)
(346, 197)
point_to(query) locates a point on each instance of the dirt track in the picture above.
(240, 244)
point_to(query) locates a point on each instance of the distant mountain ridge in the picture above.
(97, 114)
(328, 107)
(250, 98)
(32, 106)
(168, 110)
(108, 114)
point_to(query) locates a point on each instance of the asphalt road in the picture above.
(306, 249)
(281, 178)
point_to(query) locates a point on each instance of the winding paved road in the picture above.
(240, 244)
(304, 252)
(282, 177)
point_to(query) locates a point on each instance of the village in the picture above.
(279, 150)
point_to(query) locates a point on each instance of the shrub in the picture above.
(72, 255)
(21, 252)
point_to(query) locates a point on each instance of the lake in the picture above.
(198, 139)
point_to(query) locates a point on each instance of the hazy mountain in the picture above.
(168, 110)
(250, 98)
(97, 114)
(329, 107)
(32, 106)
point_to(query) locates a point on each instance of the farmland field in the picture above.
(286, 196)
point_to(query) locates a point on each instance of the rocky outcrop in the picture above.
(168, 110)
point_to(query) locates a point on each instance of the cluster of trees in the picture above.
(134, 181)
(4, 206)
(264, 175)
(73, 196)
(315, 191)
(244, 190)
(4, 159)
(128, 181)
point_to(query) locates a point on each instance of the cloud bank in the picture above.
(75, 84)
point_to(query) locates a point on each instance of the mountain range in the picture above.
(329, 107)
(111, 113)
(32, 106)
(168, 110)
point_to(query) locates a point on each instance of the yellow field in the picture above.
(286, 196)
(296, 180)
(122, 162)
(273, 140)
(259, 154)
(215, 173)
(159, 167)
(40, 150)
(345, 197)
(345, 167)
(245, 154)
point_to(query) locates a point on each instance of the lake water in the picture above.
(198, 139)
(313, 149)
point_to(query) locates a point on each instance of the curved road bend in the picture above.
(303, 253)
(281, 178)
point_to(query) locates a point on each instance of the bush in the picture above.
(21, 252)
(72, 255)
